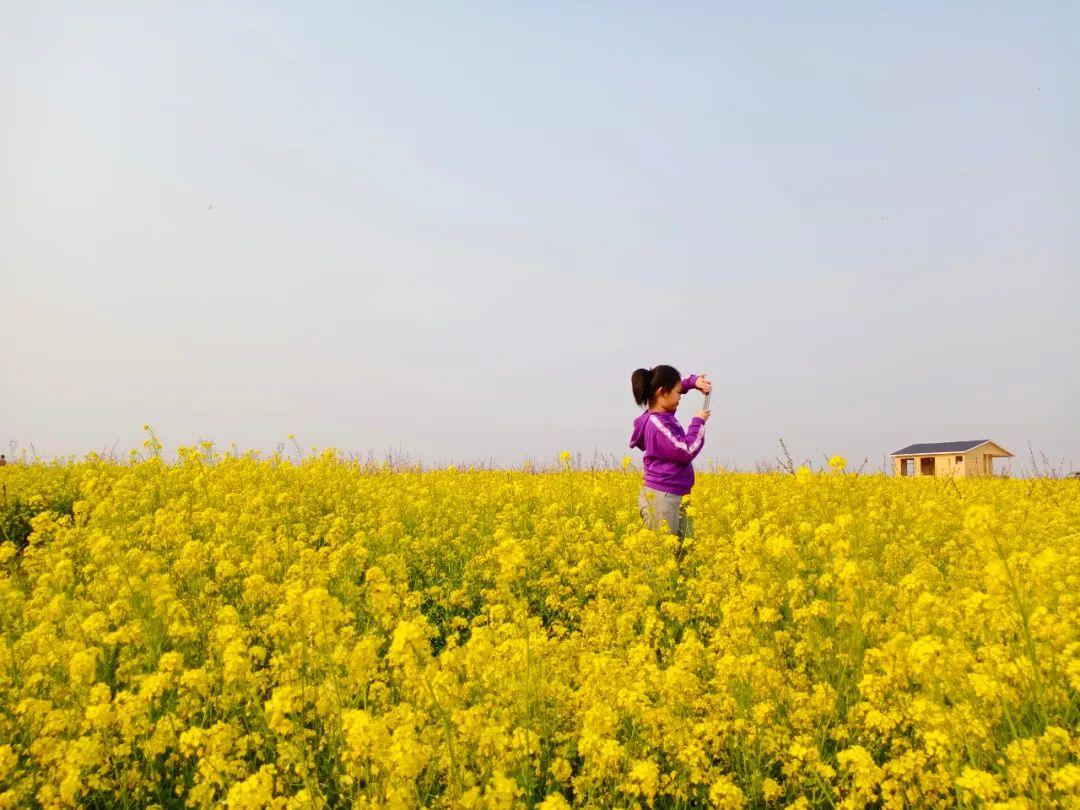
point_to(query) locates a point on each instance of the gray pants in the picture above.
(656, 506)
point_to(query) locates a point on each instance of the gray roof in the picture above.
(939, 447)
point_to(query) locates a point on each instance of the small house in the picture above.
(966, 459)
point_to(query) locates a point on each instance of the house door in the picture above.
(926, 466)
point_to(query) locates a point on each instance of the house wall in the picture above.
(973, 463)
(943, 465)
(946, 465)
(916, 472)
(995, 451)
(980, 460)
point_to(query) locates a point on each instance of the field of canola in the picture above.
(246, 632)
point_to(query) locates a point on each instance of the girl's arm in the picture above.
(689, 383)
(674, 445)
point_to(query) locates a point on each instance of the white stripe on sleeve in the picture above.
(678, 442)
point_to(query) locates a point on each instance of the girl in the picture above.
(669, 451)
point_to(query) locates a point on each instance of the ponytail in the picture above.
(646, 382)
(641, 382)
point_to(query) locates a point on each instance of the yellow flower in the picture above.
(254, 793)
(771, 789)
(408, 644)
(8, 759)
(81, 667)
(979, 784)
(643, 780)
(560, 770)
(284, 702)
(726, 794)
(554, 801)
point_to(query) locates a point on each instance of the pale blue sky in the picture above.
(456, 229)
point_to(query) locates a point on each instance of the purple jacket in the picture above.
(669, 451)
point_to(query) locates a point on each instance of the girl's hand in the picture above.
(704, 415)
(702, 384)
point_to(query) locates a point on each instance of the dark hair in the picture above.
(646, 382)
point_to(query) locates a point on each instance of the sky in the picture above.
(452, 231)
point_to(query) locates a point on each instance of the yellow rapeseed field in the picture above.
(244, 631)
